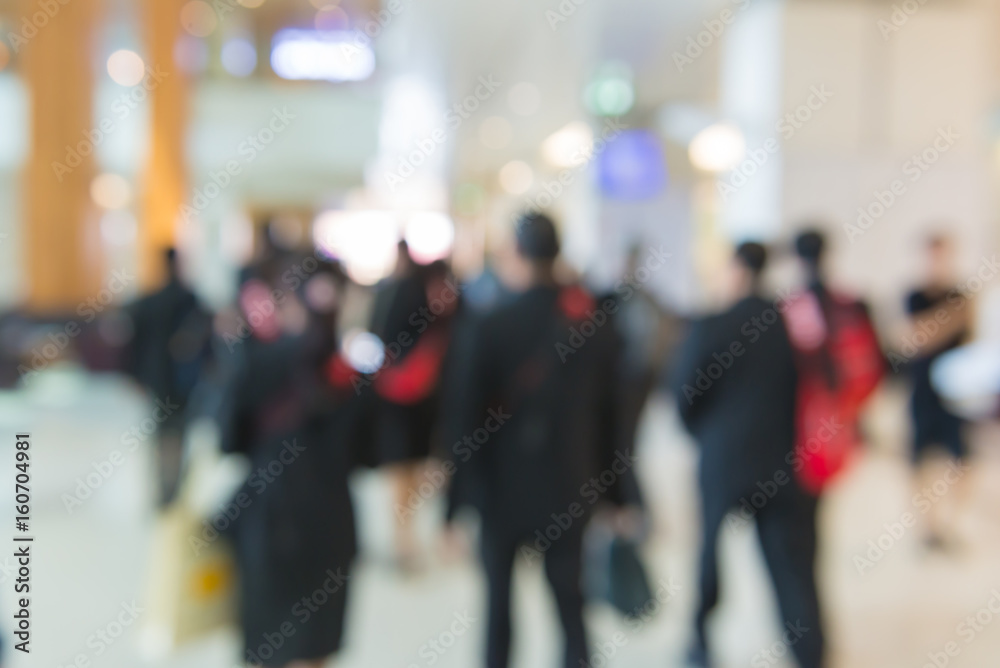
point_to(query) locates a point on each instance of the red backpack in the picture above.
(840, 364)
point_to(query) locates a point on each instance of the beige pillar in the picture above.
(165, 179)
(62, 246)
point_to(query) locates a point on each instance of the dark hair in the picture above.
(753, 256)
(809, 245)
(170, 260)
(937, 240)
(536, 236)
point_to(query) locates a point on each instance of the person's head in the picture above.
(940, 250)
(323, 291)
(264, 246)
(634, 258)
(171, 263)
(405, 263)
(537, 243)
(810, 245)
(746, 269)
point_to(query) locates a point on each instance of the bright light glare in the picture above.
(516, 177)
(239, 57)
(198, 18)
(569, 145)
(717, 148)
(316, 55)
(429, 236)
(365, 241)
(126, 67)
(363, 350)
(111, 191)
(610, 97)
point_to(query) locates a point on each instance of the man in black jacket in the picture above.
(735, 384)
(168, 348)
(533, 430)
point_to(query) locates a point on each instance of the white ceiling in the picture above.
(451, 43)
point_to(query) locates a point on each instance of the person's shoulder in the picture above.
(500, 316)
(753, 306)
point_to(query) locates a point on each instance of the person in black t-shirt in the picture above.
(940, 319)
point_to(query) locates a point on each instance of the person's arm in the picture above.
(692, 356)
(939, 323)
(463, 404)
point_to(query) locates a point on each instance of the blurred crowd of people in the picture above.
(520, 400)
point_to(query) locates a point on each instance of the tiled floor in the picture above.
(900, 613)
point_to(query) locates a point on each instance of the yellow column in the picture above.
(62, 242)
(165, 179)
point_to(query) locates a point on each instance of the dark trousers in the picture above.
(169, 461)
(563, 569)
(786, 527)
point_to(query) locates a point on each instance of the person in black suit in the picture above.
(533, 429)
(169, 346)
(735, 383)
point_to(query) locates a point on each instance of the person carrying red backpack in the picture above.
(839, 362)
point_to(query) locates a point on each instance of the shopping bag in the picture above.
(192, 578)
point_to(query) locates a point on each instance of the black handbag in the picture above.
(615, 572)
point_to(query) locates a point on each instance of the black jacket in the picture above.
(169, 341)
(531, 417)
(296, 523)
(735, 384)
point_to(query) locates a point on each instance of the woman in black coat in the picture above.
(294, 417)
